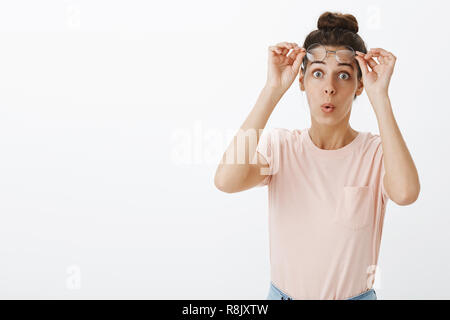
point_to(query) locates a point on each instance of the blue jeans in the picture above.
(277, 294)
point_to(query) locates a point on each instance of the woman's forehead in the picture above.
(334, 48)
(331, 62)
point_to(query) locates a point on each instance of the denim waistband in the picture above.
(365, 294)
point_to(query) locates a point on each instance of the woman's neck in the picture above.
(329, 138)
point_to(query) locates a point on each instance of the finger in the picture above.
(372, 63)
(377, 55)
(368, 57)
(382, 58)
(383, 52)
(279, 50)
(290, 46)
(283, 48)
(282, 44)
(275, 49)
(286, 50)
(286, 46)
(298, 61)
(380, 51)
(362, 64)
(295, 52)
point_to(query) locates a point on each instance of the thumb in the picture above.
(363, 66)
(297, 62)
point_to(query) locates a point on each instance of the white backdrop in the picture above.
(115, 114)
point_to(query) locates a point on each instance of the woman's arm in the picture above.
(401, 180)
(235, 172)
(238, 174)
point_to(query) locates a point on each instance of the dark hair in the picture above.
(336, 29)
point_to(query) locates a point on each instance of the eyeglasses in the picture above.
(318, 52)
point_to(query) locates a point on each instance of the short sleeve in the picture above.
(265, 148)
(383, 190)
(384, 194)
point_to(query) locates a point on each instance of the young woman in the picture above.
(328, 186)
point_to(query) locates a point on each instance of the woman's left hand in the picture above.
(377, 80)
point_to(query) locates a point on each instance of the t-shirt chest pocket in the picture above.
(355, 207)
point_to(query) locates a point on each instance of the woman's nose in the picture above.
(329, 89)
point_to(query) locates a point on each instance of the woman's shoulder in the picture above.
(283, 136)
(371, 138)
(285, 132)
(370, 143)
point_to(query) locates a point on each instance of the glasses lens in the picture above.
(345, 55)
(316, 52)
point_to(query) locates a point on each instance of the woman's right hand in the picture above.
(283, 68)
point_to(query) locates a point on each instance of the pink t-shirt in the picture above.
(326, 213)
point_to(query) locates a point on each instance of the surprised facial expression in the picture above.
(329, 81)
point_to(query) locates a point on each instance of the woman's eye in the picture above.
(317, 71)
(346, 75)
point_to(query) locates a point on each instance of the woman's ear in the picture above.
(301, 79)
(360, 88)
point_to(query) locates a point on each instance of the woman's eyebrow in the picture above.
(339, 64)
(345, 64)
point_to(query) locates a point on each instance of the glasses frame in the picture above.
(348, 48)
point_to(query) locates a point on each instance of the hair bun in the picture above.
(329, 20)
